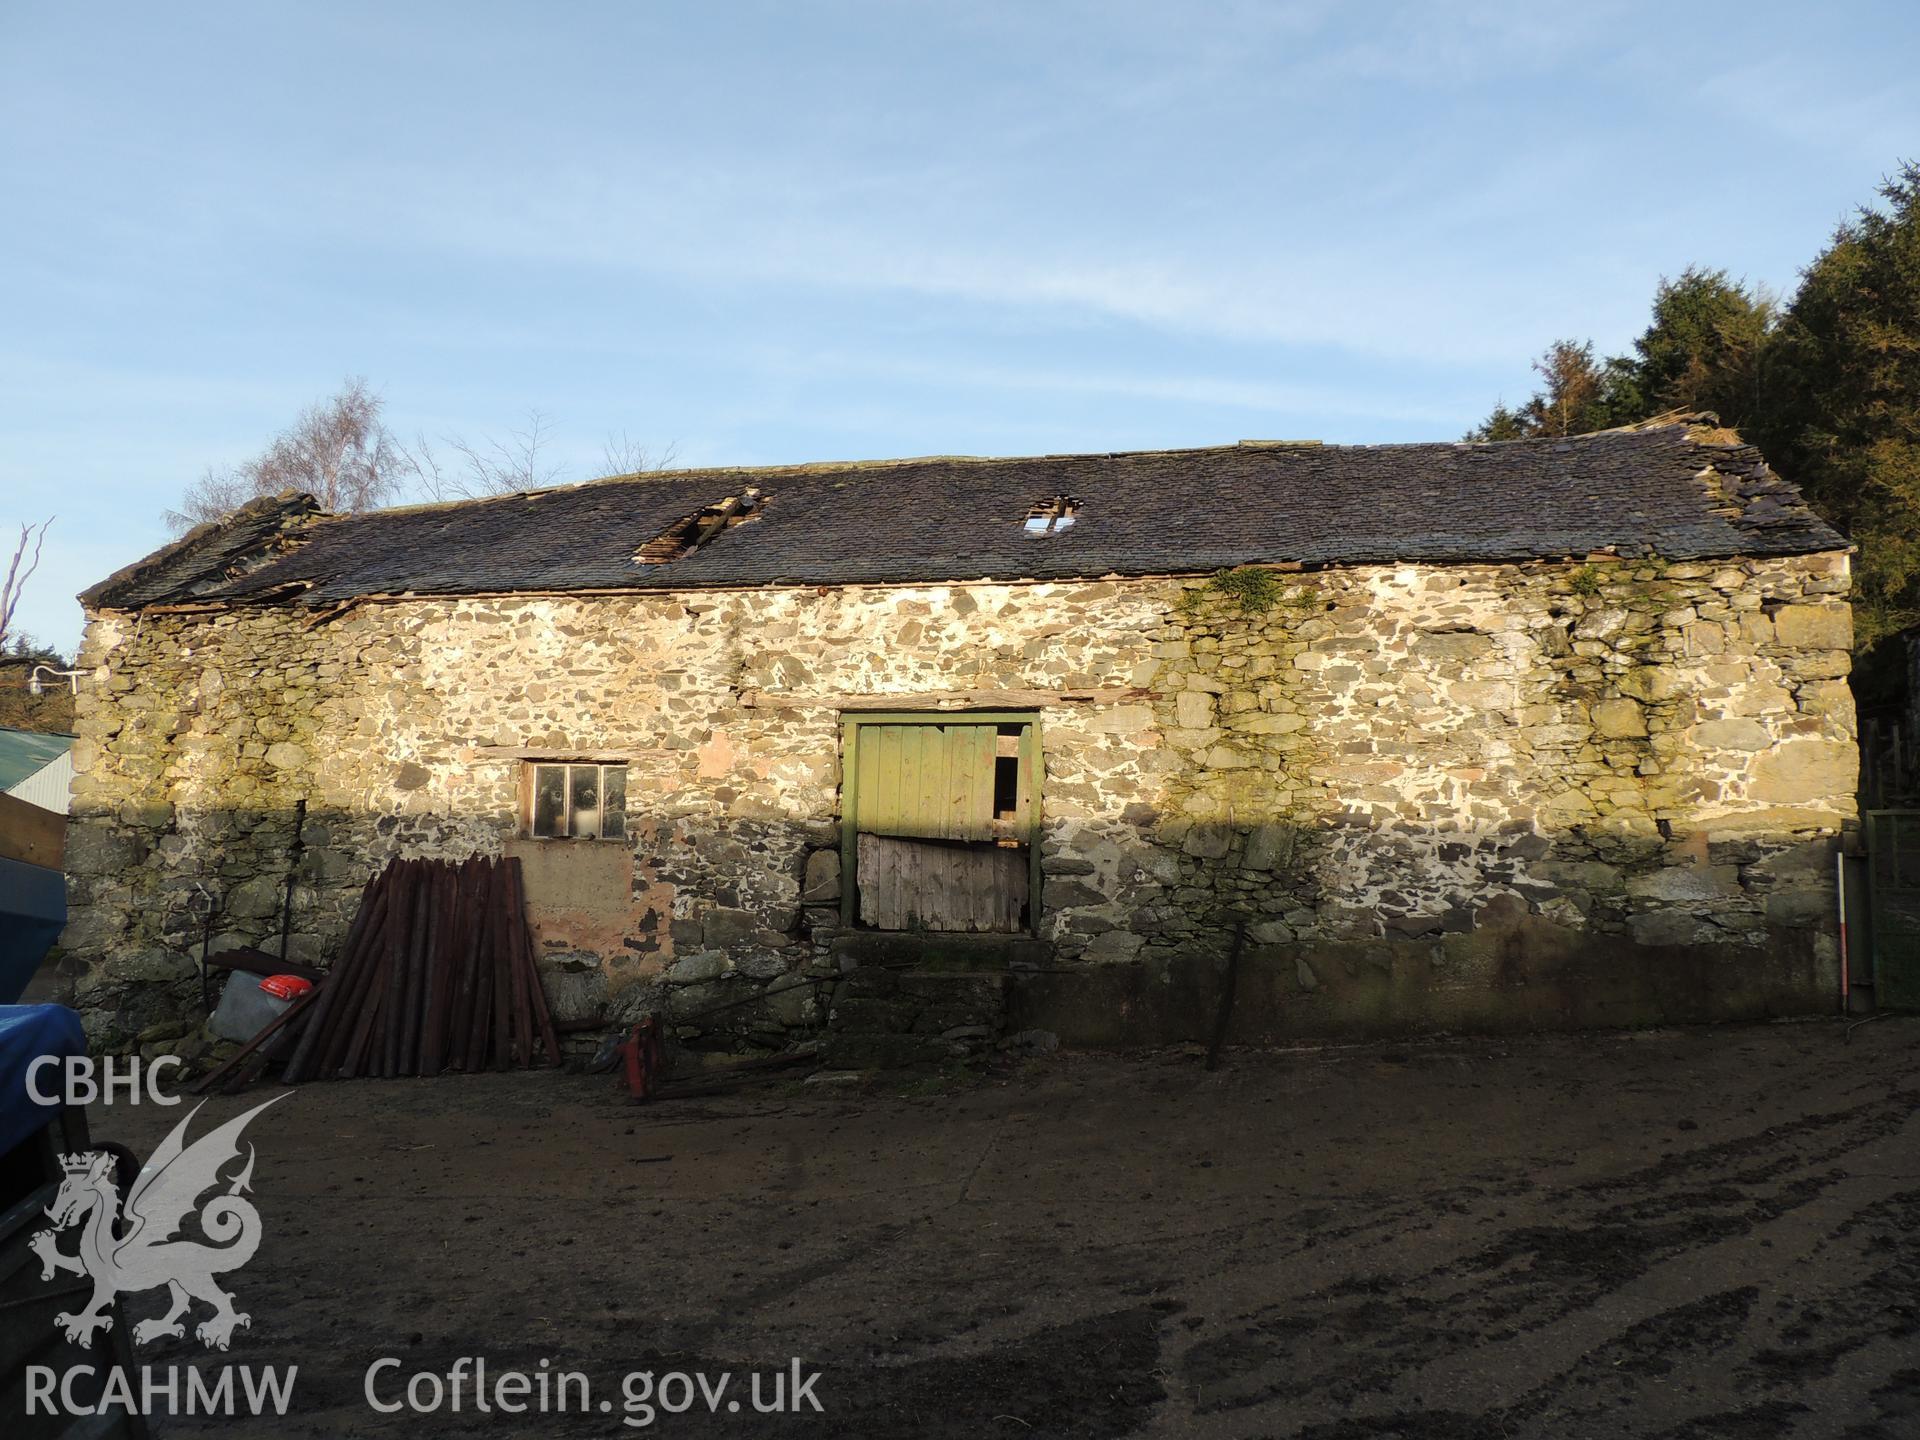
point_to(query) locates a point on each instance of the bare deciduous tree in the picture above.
(16, 581)
(507, 467)
(338, 451)
(491, 467)
(516, 464)
(622, 455)
(342, 454)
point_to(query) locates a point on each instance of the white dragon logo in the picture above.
(148, 1250)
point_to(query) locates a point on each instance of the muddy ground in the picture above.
(1694, 1233)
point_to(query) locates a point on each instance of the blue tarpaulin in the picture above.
(26, 1033)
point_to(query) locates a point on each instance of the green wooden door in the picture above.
(925, 782)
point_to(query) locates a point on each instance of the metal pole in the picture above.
(1846, 984)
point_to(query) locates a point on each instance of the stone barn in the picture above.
(1540, 733)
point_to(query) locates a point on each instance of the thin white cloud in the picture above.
(858, 196)
(1878, 124)
(1375, 294)
(1279, 397)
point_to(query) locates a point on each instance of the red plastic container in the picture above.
(286, 987)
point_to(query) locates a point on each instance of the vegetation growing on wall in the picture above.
(1253, 589)
(1585, 582)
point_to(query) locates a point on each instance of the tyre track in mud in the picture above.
(1384, 1342)
(1694, 1234)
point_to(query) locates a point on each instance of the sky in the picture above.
(760, 233)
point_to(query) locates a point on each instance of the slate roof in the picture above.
(210, 557)
(1682, 490)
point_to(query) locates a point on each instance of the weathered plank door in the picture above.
(938, 819)
(930, 885)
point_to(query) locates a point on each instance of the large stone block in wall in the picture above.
(822, 882)
(1193, 709)
(1805, 770)
(92, 928)
(1734, 734)
(102, 849)
(1269, 847)
(575, 995)
(1809, 862)
(725, 927)
(285, 755)
(256, 898)
(1688, 882)
(1815, 627)
(1619, 719)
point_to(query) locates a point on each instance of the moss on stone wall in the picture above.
(1646, 751)
(1638, 749)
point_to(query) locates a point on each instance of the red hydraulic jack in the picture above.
(645, 1056)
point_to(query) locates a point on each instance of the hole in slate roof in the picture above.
(685, 536)
(1050, 517)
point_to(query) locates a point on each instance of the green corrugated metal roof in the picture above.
(28, 752)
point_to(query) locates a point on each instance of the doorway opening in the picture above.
(940, 822)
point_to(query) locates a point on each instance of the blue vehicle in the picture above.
(36, 1131)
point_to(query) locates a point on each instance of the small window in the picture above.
(577, 801)
(1050, 517)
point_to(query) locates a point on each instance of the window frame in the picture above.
(528, 791)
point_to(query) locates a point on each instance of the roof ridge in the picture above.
(832, 467)
(1687, 420)
(836, 467)
(807, 468)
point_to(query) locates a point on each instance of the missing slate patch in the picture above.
(1052, 516)
(688, 534)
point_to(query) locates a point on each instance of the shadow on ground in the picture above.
(1689, 1234)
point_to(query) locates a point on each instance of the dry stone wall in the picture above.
(1405, 782)
(1516, 776)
